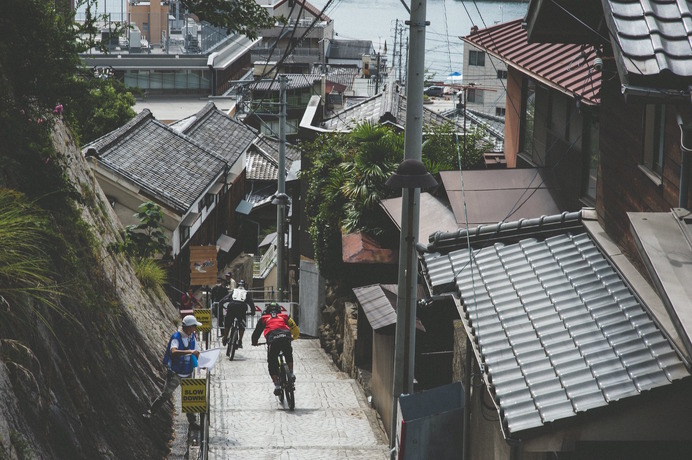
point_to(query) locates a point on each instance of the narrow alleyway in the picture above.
(332, 418)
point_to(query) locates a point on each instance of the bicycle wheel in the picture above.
(288, 387)
(229, 344)
(290, 396)
(282, 383)
(233, 342)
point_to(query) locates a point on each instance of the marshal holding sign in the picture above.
(193, 394)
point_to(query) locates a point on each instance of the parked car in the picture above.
(435, 91)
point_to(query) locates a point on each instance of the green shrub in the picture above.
(25, 266)
(150, 273)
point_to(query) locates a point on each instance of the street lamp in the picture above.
(412, 176)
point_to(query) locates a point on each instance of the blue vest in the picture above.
(181, 364)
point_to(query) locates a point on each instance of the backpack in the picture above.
(167, 354)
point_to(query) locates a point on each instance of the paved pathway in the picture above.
(332, 418)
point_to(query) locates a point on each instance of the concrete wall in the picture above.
(312, 298)
(382, 372)
(348, 358)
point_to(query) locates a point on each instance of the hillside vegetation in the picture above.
(80, 338)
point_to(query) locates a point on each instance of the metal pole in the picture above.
(396, 27)
(405, 341)
(281, 191)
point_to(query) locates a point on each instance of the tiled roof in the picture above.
(556, 328)
(359, 248)
(295, 81)
(224, 135)
(652, 38)
(171, 166)
(263, 160)
(568, 67)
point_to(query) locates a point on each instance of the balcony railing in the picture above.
(303, 55)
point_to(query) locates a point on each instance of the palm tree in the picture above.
(376, 153)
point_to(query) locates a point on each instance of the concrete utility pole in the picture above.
(407, 293)
(281, 197)
(396, 31)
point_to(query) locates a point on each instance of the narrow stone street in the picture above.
(332, 418)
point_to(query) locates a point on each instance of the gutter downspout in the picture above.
(686, 148)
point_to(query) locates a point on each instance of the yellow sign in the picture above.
(203, 315)
(193, 394)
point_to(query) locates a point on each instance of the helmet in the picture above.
(273, 307)
(242, 283)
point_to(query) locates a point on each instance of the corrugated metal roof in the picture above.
(568, 67)
(663, 240)
(497, 195)
(307, 6)
(434, 215)
(556, 327)
(378, 304)
(349, 49)
(378, 301)
(389, 106)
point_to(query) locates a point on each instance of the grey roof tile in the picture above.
(652, 39)
(563, 337)
(224, 135)
(172, 167)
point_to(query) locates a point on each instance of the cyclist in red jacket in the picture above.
(279, 330)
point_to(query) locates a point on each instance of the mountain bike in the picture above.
(287, 383)
(232, 339)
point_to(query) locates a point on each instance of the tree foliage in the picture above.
(346, 177)
(446, 149)
(146, 239)
(240, 16)
(346, 181)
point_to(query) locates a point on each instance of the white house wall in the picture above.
(485, 77)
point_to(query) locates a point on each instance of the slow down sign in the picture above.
(193, 395)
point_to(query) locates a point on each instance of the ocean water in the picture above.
(376, 20)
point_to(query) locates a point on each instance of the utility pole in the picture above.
(281, 192)
(377, 77)
(407, 55)
(396, 28)
(401, 49)
(407, 291)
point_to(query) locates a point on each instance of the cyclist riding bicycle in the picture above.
(237, 304)
(279, 330)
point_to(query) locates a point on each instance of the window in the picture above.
(500, 111)
(474, 95)
(527, 117)
(184, 233)
(477, 58)
(502, 75)
(654, 124)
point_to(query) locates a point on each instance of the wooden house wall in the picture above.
(622, 186)
(513, 116)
